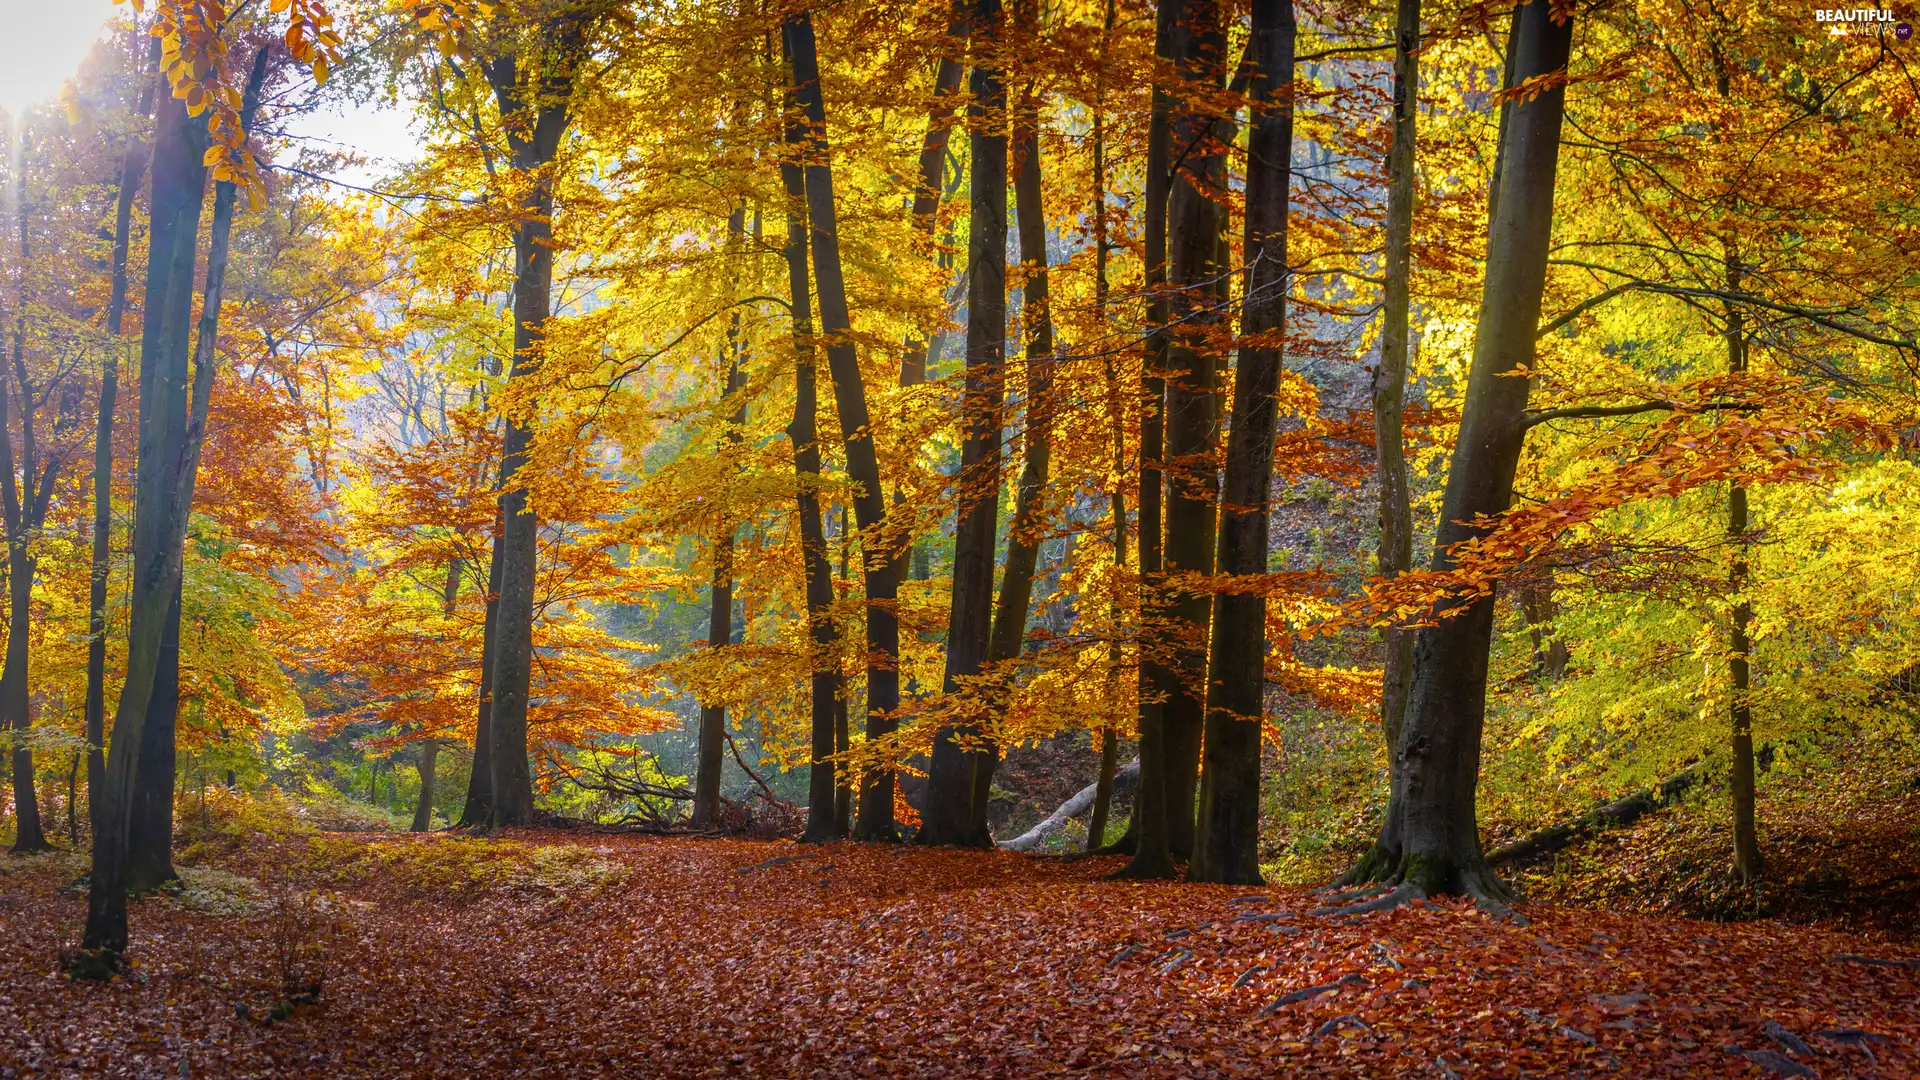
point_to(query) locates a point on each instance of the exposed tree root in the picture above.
(1412, 877)
(1336, 896)
(92, 965)
(1146, 868)
(1375, 866)
(1393, 898)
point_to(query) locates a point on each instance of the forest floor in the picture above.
(562, 955)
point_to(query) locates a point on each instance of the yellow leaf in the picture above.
(213, 154)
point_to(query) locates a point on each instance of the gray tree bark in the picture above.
(863, 463)
(1439, 848)
(1226, 846)
(949, 816)
(536, 101)
(173, 417)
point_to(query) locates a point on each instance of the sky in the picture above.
(48, 38)
(46, 41)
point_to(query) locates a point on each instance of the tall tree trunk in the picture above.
(15, 708)
(1193, 427)
(133, 163)
(863, 464)
(477, 812)
(1023, 538)
(912, 558)
(25, 512)
(173, 418)
(1116, 498)
(150, 839)
(824, 818)
(536, 122)
(1747, 863)
(1152, 852)
(1226, 847)
(949, 815)
(1389, 401)
(1439, 752)
(713, 718)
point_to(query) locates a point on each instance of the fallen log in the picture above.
(1081, 803)
(1613, 815)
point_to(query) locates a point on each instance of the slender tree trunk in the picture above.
(173, 417)
(949, 815)
(477, 812)
(1023, 539)
(1193, 427)
(1439, 752)
(1550, 654)
(863, 464)
(1226, 847)
(1389, 404)
(133, 163)
(28, 834)
(534, 132)
(1116, 497)
(842, 740)
(423, 810)
(1747, 862)
(430, 748)
(912, 559)
(933, 162)
(73, 793)
(1152, 852)
(713, 718)
(825, 821)
(25, 512)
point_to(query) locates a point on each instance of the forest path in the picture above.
(558, 955)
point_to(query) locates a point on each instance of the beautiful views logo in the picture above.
(1841, 22)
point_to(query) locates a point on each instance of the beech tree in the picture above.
(1431, 844)
(875, 820)
(1226, 847)
(950, 816)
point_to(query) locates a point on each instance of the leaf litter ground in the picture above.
(556, 955)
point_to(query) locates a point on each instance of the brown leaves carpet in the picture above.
(551, 955)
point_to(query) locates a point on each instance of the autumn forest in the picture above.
(1194, 538)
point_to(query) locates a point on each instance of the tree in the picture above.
(1194, 223)
(1395, 555)
(150, 841)
(1228, 833)
(26, 492)
(133, 167)
(951, 816)
(824, 821)
(1439, 751)
(532, 83)
(172, 422)
(713, 718)
(875, 821)
(1152, 843)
